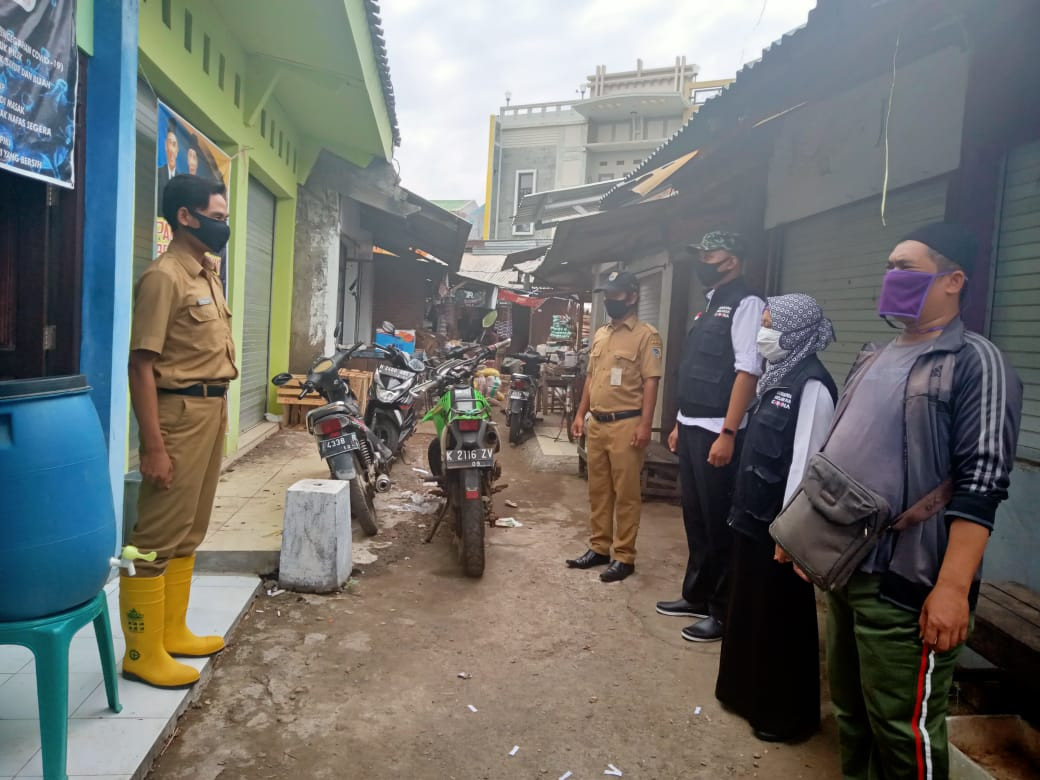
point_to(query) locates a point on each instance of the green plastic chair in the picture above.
(49, 639)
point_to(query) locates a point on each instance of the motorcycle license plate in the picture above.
(338, 445)
(482, 457)
(517, 397)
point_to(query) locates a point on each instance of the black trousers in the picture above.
(707, 493)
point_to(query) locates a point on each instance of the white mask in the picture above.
(769, 345)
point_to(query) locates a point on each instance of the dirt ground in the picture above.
(379, 681)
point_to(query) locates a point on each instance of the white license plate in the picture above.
(337, 446)
(482, 457)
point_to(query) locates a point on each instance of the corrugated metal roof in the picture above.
(682, 141)
(375, 26)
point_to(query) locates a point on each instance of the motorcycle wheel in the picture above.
(471, 536)
(362, 506)
(516, 433)
(386, 433)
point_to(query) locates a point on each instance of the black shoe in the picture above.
(791, 739)
(707, 630)
(682, 608)
(617, 571)
(588, 560)
(767, 736)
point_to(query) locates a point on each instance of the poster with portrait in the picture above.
(181, 148)
(38, 75)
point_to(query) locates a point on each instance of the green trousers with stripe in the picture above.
(890, 693)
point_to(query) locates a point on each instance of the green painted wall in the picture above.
(85, 26)
(178, 77)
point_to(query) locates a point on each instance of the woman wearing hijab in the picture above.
(769, 671)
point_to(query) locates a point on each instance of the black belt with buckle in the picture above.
(199, 391)
(605, 417)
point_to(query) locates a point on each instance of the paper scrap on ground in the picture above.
(464, 675)
(512, 504)
(565, 775)
(697, 711)
(275, 592)
(419, 471)
(508, 522)
(613, 771)
(471, 708)
(515, 750)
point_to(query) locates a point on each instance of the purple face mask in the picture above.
(903, 293)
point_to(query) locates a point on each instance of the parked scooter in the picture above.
(390, 412)
(523, 395)
(462, 457)
(349, 447)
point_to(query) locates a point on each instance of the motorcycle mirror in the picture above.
(281, 379)
(489, 319)
(388, 328)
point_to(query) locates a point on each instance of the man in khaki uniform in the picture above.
(621, 393)
(182, 358)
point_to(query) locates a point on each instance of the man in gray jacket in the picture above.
(935, 403)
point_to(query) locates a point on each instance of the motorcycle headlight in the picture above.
(385, 396)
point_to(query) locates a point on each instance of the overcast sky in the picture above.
(452, 61)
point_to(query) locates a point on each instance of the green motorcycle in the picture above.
(462, 457)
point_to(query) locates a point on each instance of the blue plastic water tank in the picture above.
(58, 530)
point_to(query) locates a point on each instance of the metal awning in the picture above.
(552, 207)
(655, 183)
(400, 221)
(526, 257)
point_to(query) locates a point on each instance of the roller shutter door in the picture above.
(838, 257)
(649, 309)
(256, 319)
(1015, 312)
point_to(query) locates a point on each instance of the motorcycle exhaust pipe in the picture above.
(383, 483)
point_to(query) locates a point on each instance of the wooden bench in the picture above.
(1007, 631)
(296, 408)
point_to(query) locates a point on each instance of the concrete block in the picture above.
(316, 542)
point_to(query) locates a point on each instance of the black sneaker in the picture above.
(682, 608)
(707, 630)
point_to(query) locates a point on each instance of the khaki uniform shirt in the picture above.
(622, 357)
(181, 315)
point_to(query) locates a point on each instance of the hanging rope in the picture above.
(888, 119)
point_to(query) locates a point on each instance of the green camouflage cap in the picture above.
(720, 239)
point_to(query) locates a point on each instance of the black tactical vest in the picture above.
(706, 373)
(765, 460)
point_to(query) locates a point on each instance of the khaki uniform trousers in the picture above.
(173, 522)
(615, 493)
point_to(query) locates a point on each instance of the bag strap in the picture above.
(926, 507)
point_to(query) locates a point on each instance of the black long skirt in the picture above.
(769, 671)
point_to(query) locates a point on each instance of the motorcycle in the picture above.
(390, 412)
(523, 395)
(462, 456)
(345, 442)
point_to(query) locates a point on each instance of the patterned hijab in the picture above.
(805, 331)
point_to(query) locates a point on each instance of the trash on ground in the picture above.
(613, 771)
(565, 775)
(420, 471)
(508, 522)
(512, 504)
(275, 592)
(471, 708)
(697, 711)
(464, 675)
(515, 750)
(416, 502)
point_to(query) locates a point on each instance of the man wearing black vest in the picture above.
(717, 379)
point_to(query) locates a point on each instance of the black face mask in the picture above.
(709, 274)
(213, 233)
(616, 310)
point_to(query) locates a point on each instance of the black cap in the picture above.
(620, 281)
(953, 241)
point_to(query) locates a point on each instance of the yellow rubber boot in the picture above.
(179, 640)
(141, 611)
